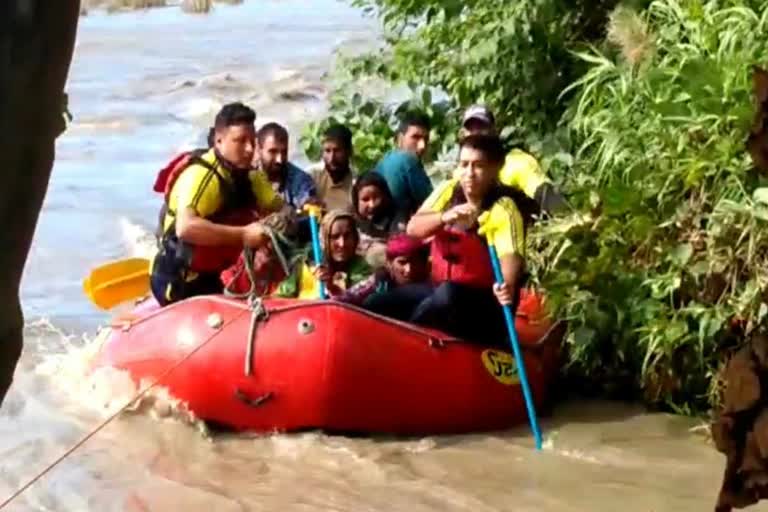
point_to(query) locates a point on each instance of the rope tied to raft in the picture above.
(279, 227)
(258, 287)
(258, 313)
(255, 303)
(253, 296)
(253, 280)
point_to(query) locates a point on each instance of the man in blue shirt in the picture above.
(295, 186)
(402, 167)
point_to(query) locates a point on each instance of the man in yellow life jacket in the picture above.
(520, 170)
(211, 205)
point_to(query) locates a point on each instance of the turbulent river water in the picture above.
(145, 84)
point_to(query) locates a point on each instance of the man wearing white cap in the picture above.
(521, 170)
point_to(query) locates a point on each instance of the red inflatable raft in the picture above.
(327, 365)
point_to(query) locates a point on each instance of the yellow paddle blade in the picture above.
(115, 269)
(87, 287)
(118, 281)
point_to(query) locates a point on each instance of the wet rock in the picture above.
(742, 388)
(758, 482)
(760, 349)
(752, 460)
(37, 41)
(296, 96)
(757, 143)
(734, 500)
(741, 429)
(761, 433)
(721, 434)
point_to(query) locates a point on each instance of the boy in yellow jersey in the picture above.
(520, 170)
(211, 209)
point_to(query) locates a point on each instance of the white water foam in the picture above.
(137, 238)
(106, 390)
(68, 359)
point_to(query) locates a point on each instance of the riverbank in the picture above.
(123, 6)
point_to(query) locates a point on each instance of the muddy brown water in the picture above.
(145, 84)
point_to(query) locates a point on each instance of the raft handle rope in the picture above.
(436, 343)
(253, 402)
(253, 295)
(258, 313)
(112, 417)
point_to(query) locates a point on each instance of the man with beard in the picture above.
(334, 176)
(291, 183)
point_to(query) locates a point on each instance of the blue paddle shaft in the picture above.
(316, 249)
(516, 349)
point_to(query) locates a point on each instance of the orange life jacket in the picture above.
(461, 257)
(238, 208)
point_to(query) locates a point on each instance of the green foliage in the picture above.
(513, 56)
(675, 248)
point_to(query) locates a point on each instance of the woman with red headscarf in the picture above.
(406, 264)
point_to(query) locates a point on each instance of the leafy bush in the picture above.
(675, 248)
(513, 56)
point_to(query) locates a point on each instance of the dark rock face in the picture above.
(757, 143)
(740, 431)
(36, 43)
